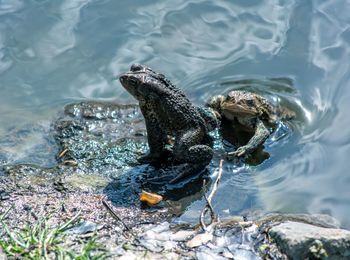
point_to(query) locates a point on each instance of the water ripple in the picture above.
(218, 32)
(10, 6)
(61, 36)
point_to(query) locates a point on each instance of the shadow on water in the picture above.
(126, 189)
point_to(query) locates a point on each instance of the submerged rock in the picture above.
(301, 241)
(100, 136)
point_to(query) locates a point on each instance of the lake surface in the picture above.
(56, 52)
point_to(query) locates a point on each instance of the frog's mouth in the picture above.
(132, 79)
(238, 110)
(125, 80)
(130, 83)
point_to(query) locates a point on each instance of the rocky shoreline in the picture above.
(145, 234)
(97, 145)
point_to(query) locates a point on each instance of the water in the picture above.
(56, 52)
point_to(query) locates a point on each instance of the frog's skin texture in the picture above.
(251, 112)
(168, 112)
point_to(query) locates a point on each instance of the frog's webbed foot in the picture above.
(261, 134)
(240, 152)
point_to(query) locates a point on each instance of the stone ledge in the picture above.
(299, 241)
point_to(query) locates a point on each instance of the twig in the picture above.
(70, 162)
(4, 215)
(61, 154)
(114, 215)
(208, 207)
(215, 186)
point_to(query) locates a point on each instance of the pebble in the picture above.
(85, 227)
(199, 240)
(182, 235)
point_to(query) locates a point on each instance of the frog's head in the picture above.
(240, 104)
(142, 82)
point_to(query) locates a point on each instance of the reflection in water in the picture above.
(60, 37)
(194, 34)
(52, 53)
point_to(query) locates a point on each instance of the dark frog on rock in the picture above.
(168, 113)
(251, 113)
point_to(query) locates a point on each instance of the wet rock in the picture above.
(301, 240)
(93, 142)
(100, 137)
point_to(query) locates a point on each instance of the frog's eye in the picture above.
(250, 102)
(133, 81)
(136, 67)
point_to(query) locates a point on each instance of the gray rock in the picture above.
(85, 227)
(208, 255)
(299, 241)
(182, 235)
(152, 245)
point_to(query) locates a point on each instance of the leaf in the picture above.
(149, 198)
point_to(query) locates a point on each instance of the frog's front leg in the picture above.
(156, 136)
(210, 117)
(260, 136)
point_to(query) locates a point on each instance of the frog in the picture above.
(176, 128)
(250, 112)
